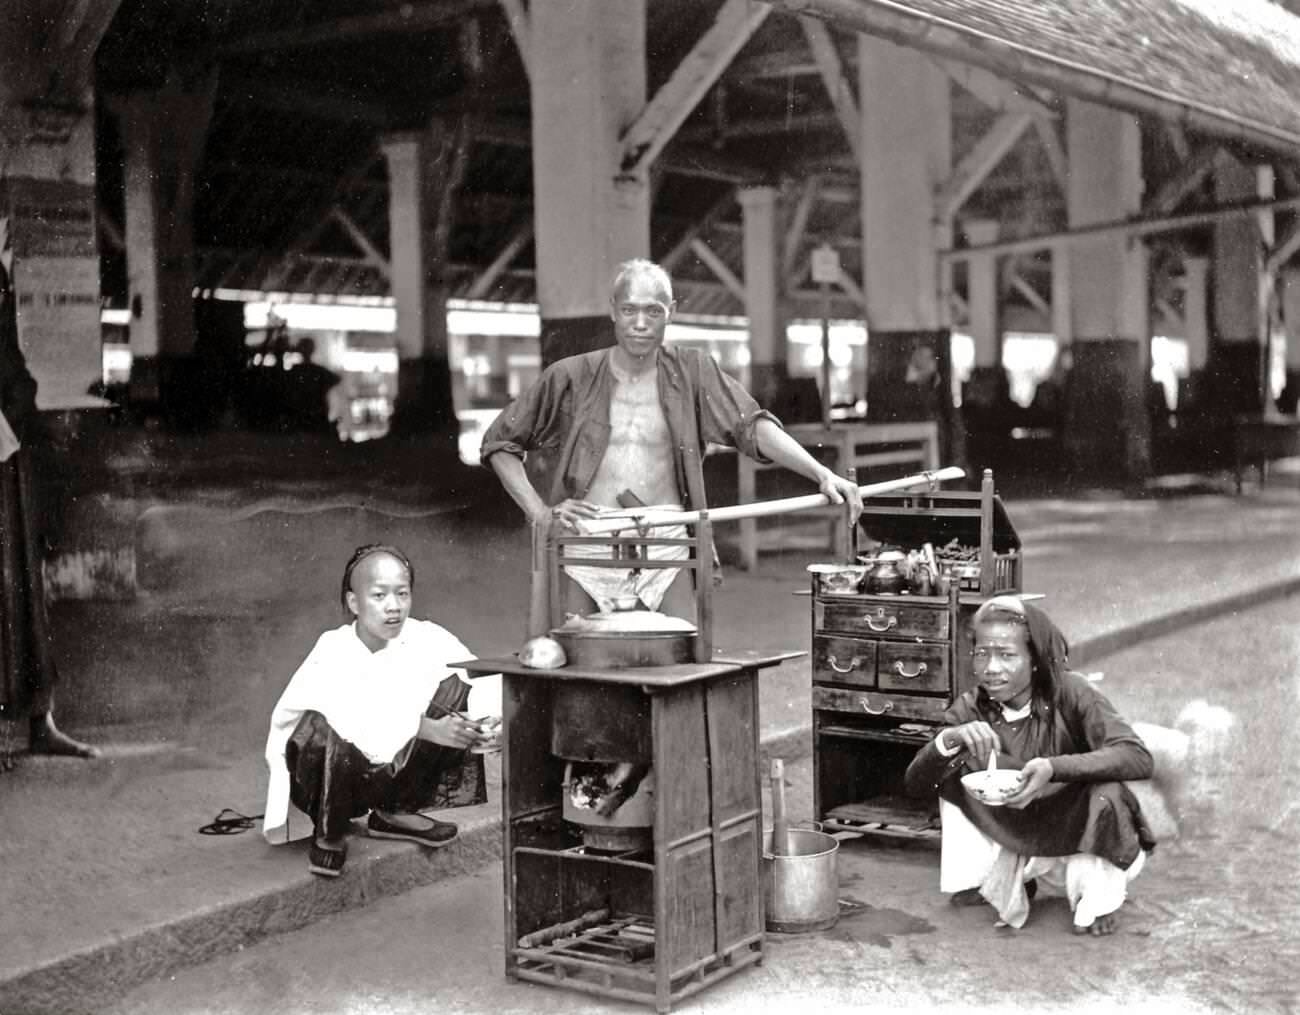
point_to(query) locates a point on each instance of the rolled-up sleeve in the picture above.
(728, 413)
(529, 422)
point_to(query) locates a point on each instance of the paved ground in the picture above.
(117, 887)
(1211, 926)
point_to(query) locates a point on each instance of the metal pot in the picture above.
(802, 889)
(623, 639)
(886, 577)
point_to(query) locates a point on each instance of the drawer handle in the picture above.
(854, 663)
(902, 672)
(870, 619)
(866, 707)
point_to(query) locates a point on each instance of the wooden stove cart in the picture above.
(885, 667)
(657, 923)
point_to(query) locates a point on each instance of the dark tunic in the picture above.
(27, 670)
(1086, 808)
(566, 415)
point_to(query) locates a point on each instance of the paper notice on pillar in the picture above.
(59, 329)
(55, 278)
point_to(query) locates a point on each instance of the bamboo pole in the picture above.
(760, 509)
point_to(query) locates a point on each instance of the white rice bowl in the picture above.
(992, 787)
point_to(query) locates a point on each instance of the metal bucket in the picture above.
(802, 890)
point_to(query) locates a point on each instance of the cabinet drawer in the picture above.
(887, 619)
(899, 706)
(908, 666)
(844, 660)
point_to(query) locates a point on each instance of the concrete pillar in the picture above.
(163, 133)
(1235, 374)
(767, 343)
(417, 174)
(1196, 310)
(588, 82)
(1106, 421)
(1062, 324)
(1291, 321)
(906, 128)
(982, 295)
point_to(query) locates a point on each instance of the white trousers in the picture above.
(970, 859)
(649, 585)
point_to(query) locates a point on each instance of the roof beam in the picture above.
(357, 235)
(996, 92)
(1133, 228)
(916, 30)
(1170, 194)
(1031, 295)
(81, 28)
(1054, 148)
(520, 29)
(798, 224)
(487, 278)
(979, 162)
(827, 56)
(695, 75)
(705, 221)
(719, 268)
(407, 17)
(851, 288)
(1284, 251)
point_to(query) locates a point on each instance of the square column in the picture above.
(906, 146)
(163, 133)
(1291, 321)
(417, 174)
(588, 81)
(767, 343)
(1106, 421)
(1234, 377)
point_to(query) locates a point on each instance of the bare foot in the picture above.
(1102, 926)
(46, 738)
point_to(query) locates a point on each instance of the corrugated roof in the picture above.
(1236, 62)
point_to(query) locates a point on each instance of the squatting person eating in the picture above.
(636, 419)
(1071, 823)
(375, 722)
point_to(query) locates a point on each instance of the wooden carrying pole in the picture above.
(762, 508)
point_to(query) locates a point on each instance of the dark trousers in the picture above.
(331, 780)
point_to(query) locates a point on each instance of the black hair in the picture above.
(360, 554)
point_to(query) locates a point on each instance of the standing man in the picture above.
(636, 418)
(27, 670)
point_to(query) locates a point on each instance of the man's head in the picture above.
(377, 585)
(922, 365)
(641, 305)
(1019, 652)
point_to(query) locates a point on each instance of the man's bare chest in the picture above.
(636, 415)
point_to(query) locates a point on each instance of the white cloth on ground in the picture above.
(649, 584)
(374, 700)
(970, 859)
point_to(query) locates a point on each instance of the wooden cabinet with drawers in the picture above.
(885, 667)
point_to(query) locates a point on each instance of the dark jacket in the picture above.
(566, 414)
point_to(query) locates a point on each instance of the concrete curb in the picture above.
(91, 979)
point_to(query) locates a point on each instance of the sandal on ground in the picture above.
(436, 833)
(327, 862)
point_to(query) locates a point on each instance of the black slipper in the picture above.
(438, 833)
(327, 862)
